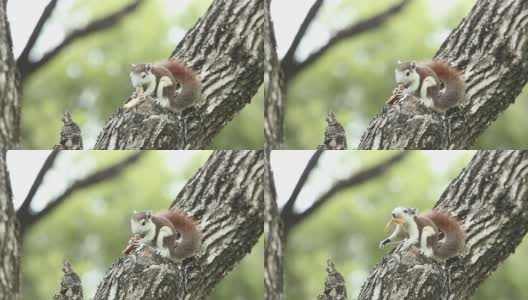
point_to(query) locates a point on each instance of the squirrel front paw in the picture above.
(383, 243)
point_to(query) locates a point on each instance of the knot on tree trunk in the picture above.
(409, 124)
(335, 138)
(408, 274)
(71, 288)
(71, 138)
(335, 287)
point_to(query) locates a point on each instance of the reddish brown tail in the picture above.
(455, 237)
(453, 82)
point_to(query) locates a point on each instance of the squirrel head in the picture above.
(406, 73)
(141, 223)
(141, 75)
(403, 214)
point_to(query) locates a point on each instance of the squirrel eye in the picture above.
(407, 73)
(405, 211)
(143, 223)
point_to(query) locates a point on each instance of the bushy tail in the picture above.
(191, 87)
(454, 86)
(191, 236)
(455, 237)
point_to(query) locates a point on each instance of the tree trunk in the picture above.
(490, 197)
(273, 240)
(225, 48)
(489, 47)
(9, 92)
(226, 199)
(9, 245)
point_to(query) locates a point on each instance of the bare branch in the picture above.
(71, 287)
(289, 58)
(28, 220)
(335, 286)
(354, 180)
(48, 164)
(71, 138)
(335, 136)
(291, 70)
(23, 58)
(287, 210)
(27, 67)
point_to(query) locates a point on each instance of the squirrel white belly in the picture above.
(439, 85)
(173, 234)
(437, 234)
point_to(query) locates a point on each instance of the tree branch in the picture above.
(48, 164)
(335, 136)
(354, 180)
(490, 197)
(274, 100)
(225, 198)
(495, 68)
(71, 287)
(335, 286)
(71, 138)
(287, 209)
(289, 58)
(293, 68)
(23, 58)
(28, 220)
(231, 68)
(27, 67)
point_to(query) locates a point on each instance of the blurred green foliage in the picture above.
(91, 79)
(92, 227)
(350, 226)
(355, 77)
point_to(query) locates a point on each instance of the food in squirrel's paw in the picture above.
(396, 95)
(132, 246)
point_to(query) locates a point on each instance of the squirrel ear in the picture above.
(148, 67)
(149, 214)
(413, 65)
(135, 211)
(414, 210)
(133, 65)
(399, 62)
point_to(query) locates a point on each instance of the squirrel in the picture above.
(174, 235)
(162, 80)
(438, 85)
(438, 235)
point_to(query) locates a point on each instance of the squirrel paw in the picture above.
(383, 243)
(426, 252)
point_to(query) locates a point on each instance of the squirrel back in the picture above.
(191, 236)
(455, 237)
(191, 87)
(453, 82)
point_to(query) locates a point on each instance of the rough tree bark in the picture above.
(490, 197)
(273, 239)
(226, 199)
(225, 48)
(335, 286)
(9, 246)
(490, 46)
(274, 100)
(9, 91)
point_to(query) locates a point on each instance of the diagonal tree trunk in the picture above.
(490, 197)
(225, 48)
(9, 91)
(226, 198)
(490, 47)
(9, 245)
